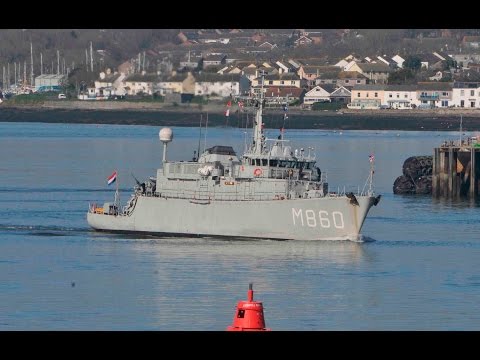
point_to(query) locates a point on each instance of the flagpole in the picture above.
(117, 195)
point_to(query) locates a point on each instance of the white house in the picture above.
(216, 84)
(141, 83)
(466, 94)
(110, 84)
(318, 94)
(400, 96)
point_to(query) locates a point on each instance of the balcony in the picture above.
(429, 97)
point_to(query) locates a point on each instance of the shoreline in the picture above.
(160, 114)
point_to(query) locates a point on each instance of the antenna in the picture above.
(91, 56)
(461, 130)
(58, 62)
(41, 64)
(206, 127)
(199, 136)
(15, 74)
(31, 63)
(86, 59)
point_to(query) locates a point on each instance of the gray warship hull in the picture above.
(272, 192)
(327, 218)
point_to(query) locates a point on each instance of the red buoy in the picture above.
(248, 315)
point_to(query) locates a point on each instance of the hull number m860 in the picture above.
(321, 218)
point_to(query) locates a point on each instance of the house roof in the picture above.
(143, 78)
(109, 78)
(214, 77)
(468, 38)
(284, 76)
(467, 85)
(350, 75)
(370, 87)
(434, 86)
(328, 87)
(283, 91)
(337, 91)
(428, 57)
(401, 88)
(319, 69)
(378, 67)
(214, 58)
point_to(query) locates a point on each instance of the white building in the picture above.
(49, 82)
(466, 94)
(318, 94)
(216, 84)
(400, 96)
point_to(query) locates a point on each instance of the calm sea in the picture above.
(417, 269)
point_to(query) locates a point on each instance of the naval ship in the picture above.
(269, 192)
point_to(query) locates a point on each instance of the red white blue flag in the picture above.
(111, 179)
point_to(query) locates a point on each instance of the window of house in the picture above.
(270, 82)
(444, 103)
(347, 81)
(367, 94)
(398, 96)
(405, 96)
(472, 92)
(282, 82)
(462, 103)
(358, 94)
(376, 94)
(445, 93)
(462, 92)
(292, 82)
(390, 95)
(358, 81)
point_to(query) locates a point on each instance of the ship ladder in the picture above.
(249, 190)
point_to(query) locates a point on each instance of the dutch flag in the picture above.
(111, 179)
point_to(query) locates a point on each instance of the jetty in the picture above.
(456, 168)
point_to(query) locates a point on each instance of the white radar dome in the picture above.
(165, 135)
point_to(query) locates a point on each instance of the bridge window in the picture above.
(257, 162)
(273, 163)
(264, 162)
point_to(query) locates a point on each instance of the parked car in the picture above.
(62, 96)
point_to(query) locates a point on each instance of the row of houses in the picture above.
(422, 95)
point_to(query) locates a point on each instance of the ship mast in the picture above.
(258, 138)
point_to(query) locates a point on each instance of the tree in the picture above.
(448, 63)
(401, 76)
(413, 62)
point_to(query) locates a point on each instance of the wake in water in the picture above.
(40, 230)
